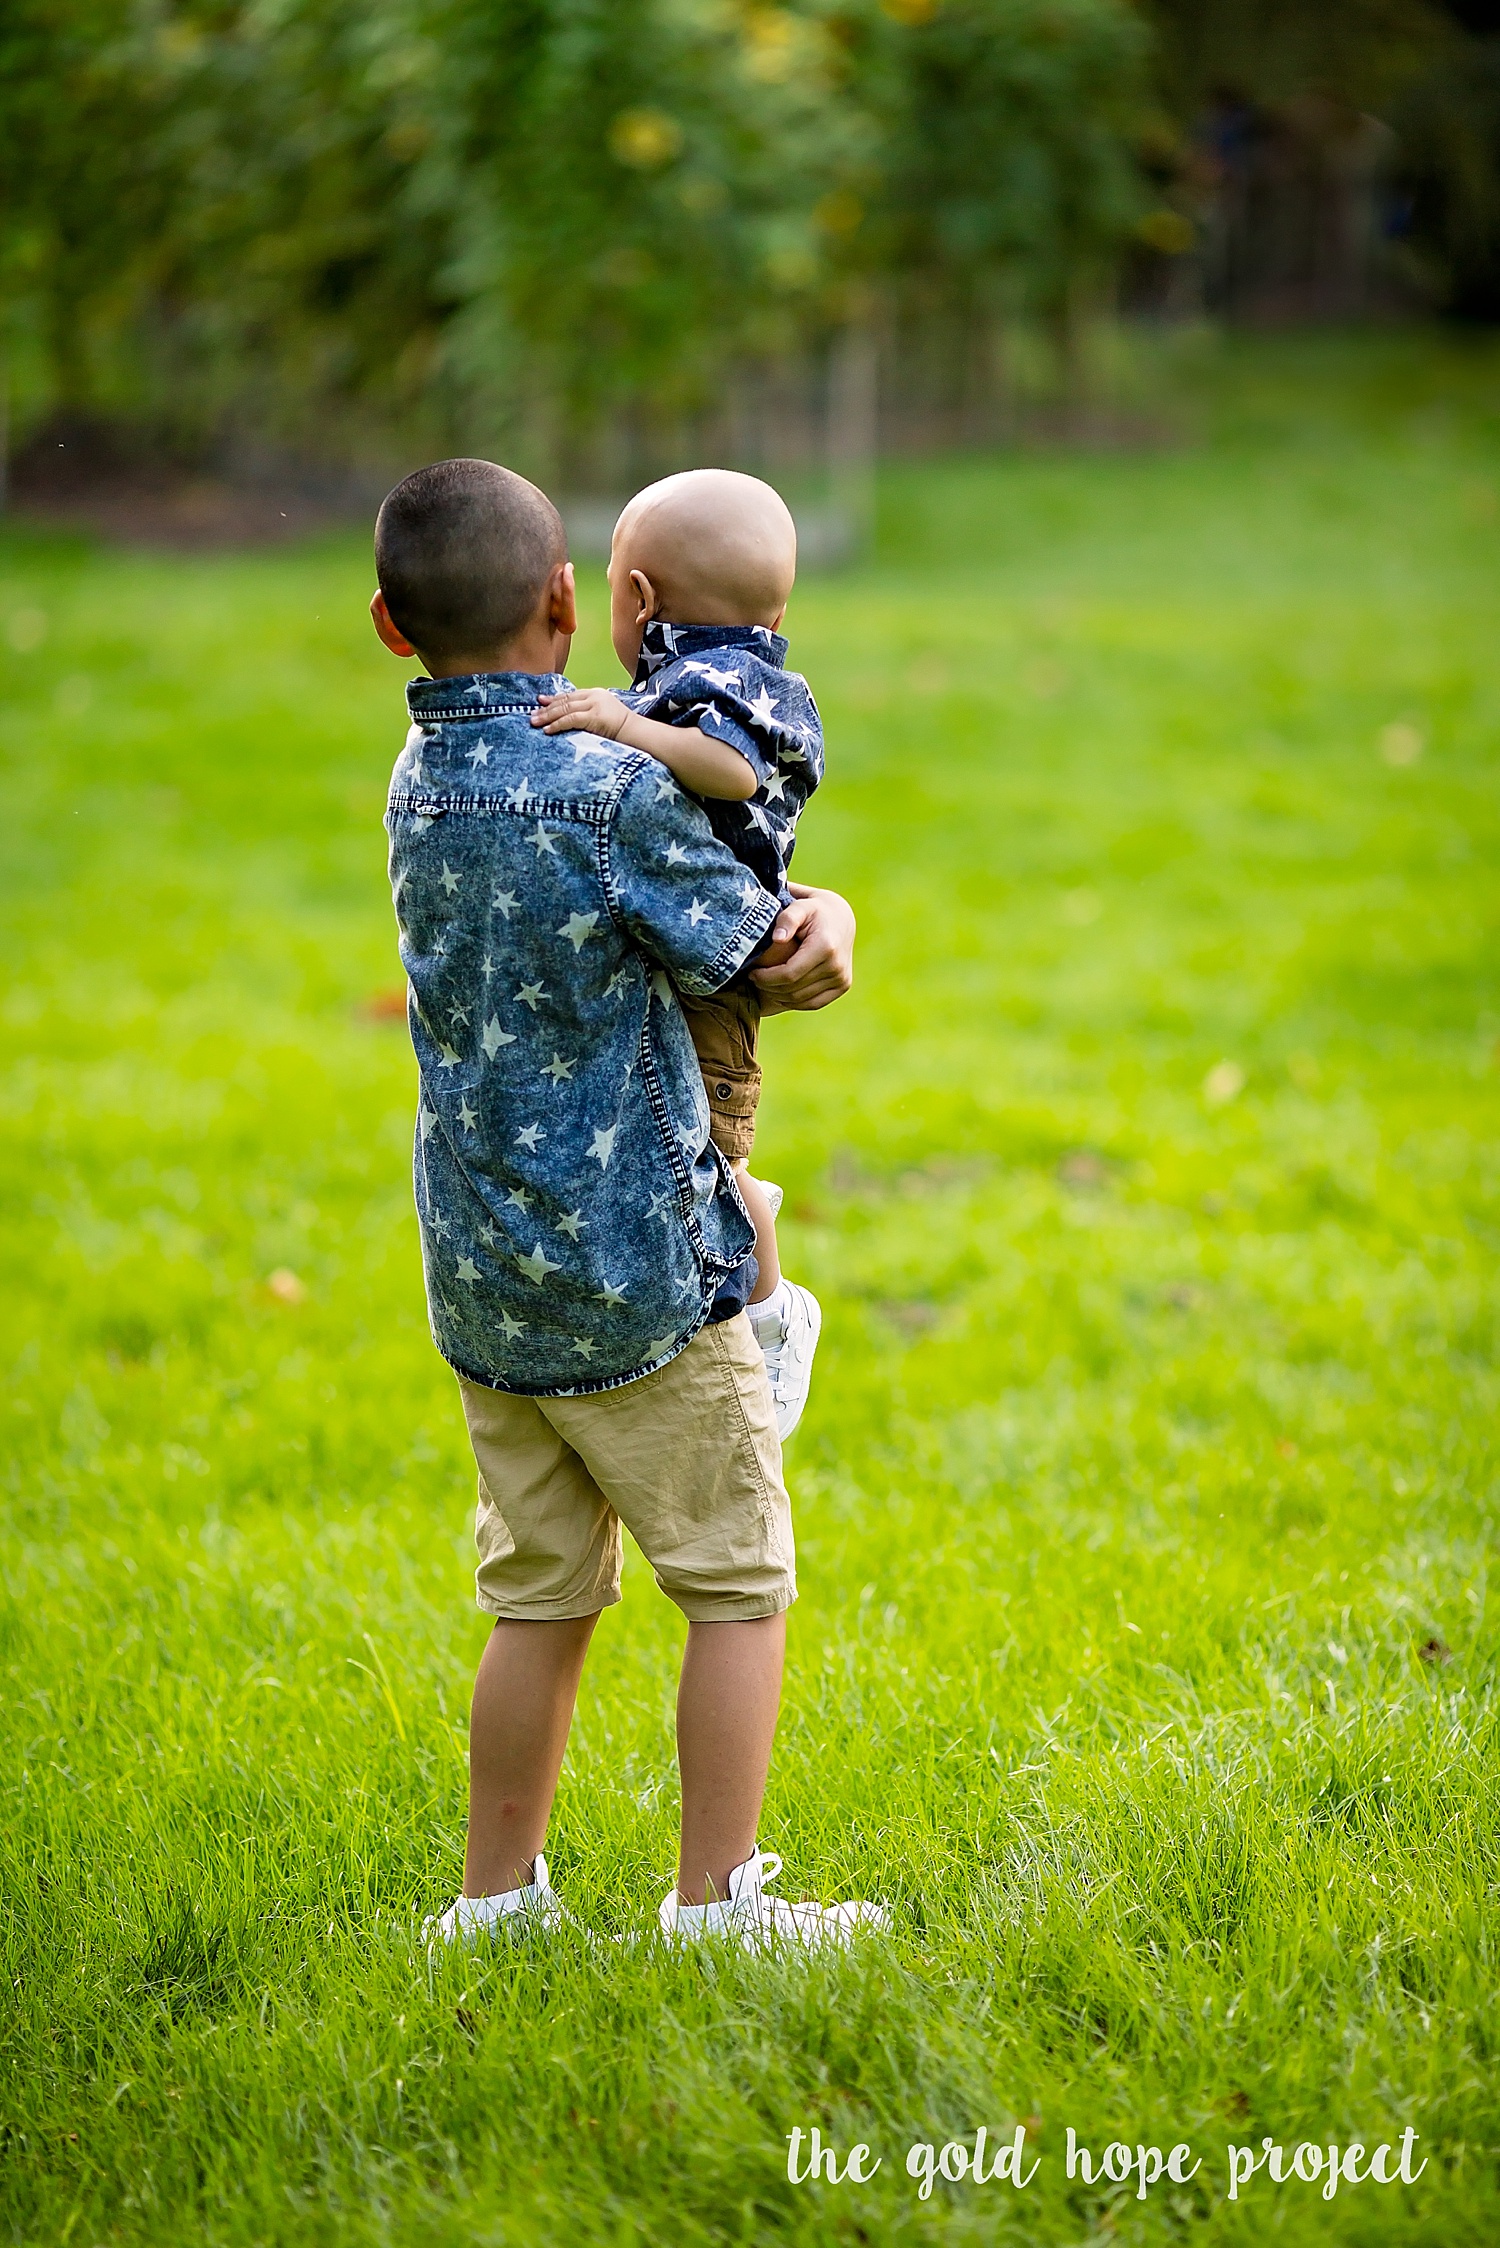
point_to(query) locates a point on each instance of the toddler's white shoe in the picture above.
(754, 1921)
(773, 1195)
(514, 1913)
(787, 1326)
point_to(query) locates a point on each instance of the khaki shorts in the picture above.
(687, 1458)
(725, 1031)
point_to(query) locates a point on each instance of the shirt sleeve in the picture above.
(769, 716)
(771, 719)
(723, 725)
(680, 895)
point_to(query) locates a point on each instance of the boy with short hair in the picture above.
(700, 571)
(585, 1253)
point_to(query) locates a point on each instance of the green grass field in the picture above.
(1144, 1659)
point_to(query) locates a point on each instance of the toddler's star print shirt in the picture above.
(731, 682)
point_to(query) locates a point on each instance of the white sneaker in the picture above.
(751, 1919)
(514, 1913)
(787, 1329)
(773, 1195)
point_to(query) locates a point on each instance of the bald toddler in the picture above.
(700, 570)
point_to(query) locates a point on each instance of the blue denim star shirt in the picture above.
(731, 681)
(577, 1222)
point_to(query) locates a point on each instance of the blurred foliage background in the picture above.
(603, 235)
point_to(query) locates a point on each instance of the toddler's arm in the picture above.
(706, 766)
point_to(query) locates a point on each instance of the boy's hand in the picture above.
(582, 710)
(809, 961)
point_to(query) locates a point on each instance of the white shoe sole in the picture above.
(815, 1326)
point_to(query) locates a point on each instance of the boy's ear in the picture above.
(390, 632)
(647, 595)
(562, 600)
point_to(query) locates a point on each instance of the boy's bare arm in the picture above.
(706, 766)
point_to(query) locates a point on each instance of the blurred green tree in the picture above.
(328, 222)
(1007, 176)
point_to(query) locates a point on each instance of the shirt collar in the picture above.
(480, 694)
(663, 643)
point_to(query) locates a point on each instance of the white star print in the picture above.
(610, 1294)
(494, 1038)
(529, 994)
(504, 902)
(467, 1116)
(697, 912)
(662, 1343)
(583, 1346)
(757, 818)
(578, 928)
(774, 786)
(604, 1144)
(529, 1136)
(467, 1270)
(488, 1235)
(586, 746)
(749, 892)
(511, 1327)
(616, 983)
(486, 967)
(439, 1224)
(558, 1070)
(519, 797)
(479, 754)
(676, 855)
(764, 711)
(537, 1266)
(518, 1198)
(659, 1208)
(426, 1118)
(440, 949)
(422, 821)
(665, 791)
(715, 678)
(457, 1015)
(661, 987)
(449, 879)
(573, 1224)
(543, 842)
(447, 1058)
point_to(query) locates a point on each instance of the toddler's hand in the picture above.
(582, 710)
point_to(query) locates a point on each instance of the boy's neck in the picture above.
(539, 651)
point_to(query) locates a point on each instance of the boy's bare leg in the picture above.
(523, 1705)
(727, 1704)
(766, 1255)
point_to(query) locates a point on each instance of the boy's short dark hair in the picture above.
(462, 551)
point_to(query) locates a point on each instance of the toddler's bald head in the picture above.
(717, 548)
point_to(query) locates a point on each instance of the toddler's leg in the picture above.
(753, 1195)
(523, 1705)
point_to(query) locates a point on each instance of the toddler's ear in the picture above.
(390, 633)
(646, 595)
